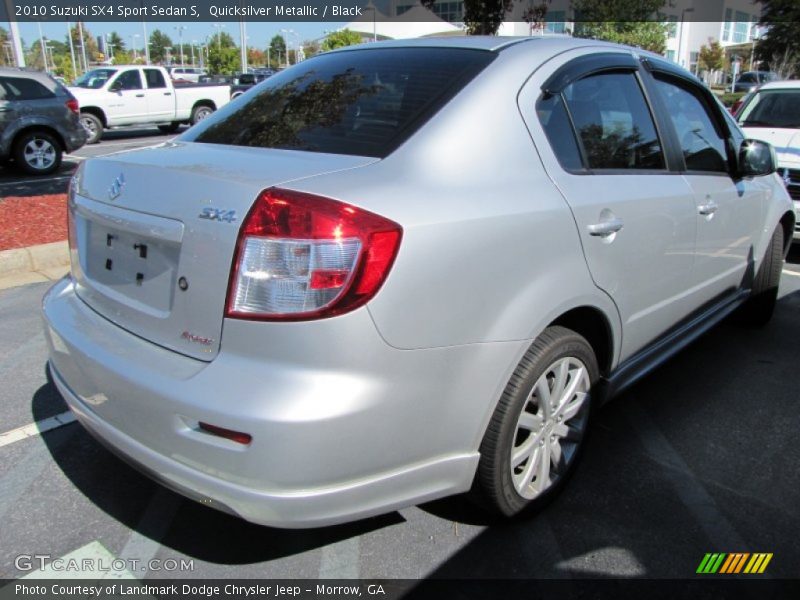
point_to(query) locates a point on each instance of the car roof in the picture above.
(781, 85)
(467, 42)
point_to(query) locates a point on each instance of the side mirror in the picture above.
(115, 87)
(756, 158)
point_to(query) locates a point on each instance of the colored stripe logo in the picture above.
(734, 563)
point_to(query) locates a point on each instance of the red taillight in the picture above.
(301, 256)
(72, 104)
(228, 434)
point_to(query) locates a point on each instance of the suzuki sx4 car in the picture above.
(398, 272)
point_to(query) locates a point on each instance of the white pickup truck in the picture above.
(129, 95)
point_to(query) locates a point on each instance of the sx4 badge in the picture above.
(218, 214)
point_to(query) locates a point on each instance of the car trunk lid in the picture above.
(154, 233)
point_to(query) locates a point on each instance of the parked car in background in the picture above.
(243, 82)
(39, 121)
(191, 74)
(749, 80)
(133, 95)
(409, 269)
(772, 114)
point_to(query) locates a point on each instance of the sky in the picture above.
(258, 33)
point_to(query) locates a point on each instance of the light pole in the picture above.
(146, 43)
(219, 27)
(180, 29)
(83, 47)
(44, 52)
(133, 45)
(168, 57)
(71, 52)
(371, 6)
(243, 45)
(680, 34)
(755, 34)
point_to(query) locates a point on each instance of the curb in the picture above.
(45, 262)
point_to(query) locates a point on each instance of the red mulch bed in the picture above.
(32, 220)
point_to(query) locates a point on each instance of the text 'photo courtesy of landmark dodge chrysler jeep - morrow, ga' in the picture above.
(398, 272)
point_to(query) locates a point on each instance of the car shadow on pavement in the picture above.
(698, 457)
(196, 531)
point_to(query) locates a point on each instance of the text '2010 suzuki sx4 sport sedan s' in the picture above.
(398, 272)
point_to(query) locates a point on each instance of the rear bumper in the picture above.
(75, 138)
(330, 444)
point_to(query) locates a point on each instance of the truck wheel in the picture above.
(200, 112)
(758, 309)
(93, 126)
(537, 430)
(171, 128)
(37, 152)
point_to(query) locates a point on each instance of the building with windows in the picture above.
(692, 24)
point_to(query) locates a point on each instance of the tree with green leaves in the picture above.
(89, 42)
(340, 39)
(277, 51)
(310, 48)
(711, 57)
(779, 47)
(159, 42)
(6, 54)
(636, 23)
(482, 17)
(224, 59)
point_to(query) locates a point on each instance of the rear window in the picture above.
(360, 102)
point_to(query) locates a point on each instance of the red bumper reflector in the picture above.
(228, 434)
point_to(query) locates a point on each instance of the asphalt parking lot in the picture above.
(700, 457)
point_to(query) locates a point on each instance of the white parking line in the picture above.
(37, 180)
(792, 273)
(34, 429)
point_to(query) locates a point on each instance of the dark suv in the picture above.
(39, 121)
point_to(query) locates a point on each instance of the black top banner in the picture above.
(358, 10)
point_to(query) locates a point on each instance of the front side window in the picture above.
(702, 144)
(129, 80)
(613, 122)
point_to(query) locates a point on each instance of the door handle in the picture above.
(605, 228)
(140, 95)
(168, 93)
(708, 209)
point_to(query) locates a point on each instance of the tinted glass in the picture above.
(747, 78)
(614, 123)
(555, 122)
(129, 80)
(155, 79)
(362, 102)
(702, 144)
(21, 88)
(772, 108)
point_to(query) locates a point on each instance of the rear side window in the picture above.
(553, 116)
(359, 102)
(614, 127)
(702, 144)
(21, 88)
(155, 79)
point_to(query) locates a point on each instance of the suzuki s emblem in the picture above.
(116, 187)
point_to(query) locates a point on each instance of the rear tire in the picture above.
(200, 112)
(758, 309)
(534, 438)
(37, 152)
(93, 126)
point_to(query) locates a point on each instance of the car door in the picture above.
(728, 208)
(635, 215)
(160, 97)
(127, 104)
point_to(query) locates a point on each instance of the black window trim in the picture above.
(596, 64)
